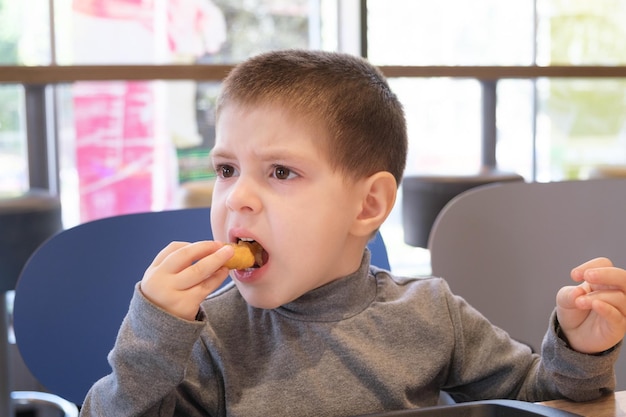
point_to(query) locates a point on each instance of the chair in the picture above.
(27, 219)
(75, 290)
(507, 248)
(424, 196)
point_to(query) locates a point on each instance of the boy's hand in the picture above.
(592, 315)
(183, 274)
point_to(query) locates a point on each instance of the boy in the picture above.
(310, 148)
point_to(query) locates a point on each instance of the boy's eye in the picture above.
(225, 171)
(282, 172)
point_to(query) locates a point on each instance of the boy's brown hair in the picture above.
(344, 94)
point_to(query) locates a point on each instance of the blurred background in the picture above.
(118, 147)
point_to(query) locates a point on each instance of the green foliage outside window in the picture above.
(9, 32)
(587, 115)
(9, 37)
(255, 26)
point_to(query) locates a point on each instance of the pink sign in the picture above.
(114, 147)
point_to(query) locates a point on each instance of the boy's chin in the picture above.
(263, 301)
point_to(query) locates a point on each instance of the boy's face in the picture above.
(275, 186)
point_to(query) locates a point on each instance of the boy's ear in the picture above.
(378, 198)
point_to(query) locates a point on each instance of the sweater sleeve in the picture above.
(489, 364)
(148, 362)
(577, 376)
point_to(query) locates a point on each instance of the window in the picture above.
(580, 123)
(22, 42)
(129, 146)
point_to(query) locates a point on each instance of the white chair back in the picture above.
(507, 248)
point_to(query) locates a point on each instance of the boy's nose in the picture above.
(243, 195)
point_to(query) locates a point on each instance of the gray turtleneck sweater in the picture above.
(366, 343)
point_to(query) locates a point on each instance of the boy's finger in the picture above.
(606, 278)
(566, 297)
(210, 264)
(578, 273)
(166, 251)
(204, 268)
(616, 299)
(186, 255)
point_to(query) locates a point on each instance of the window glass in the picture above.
(13, 158)
(450, 32)
(262, 25)
(24, 32)
(24, 40)
(582, 126)
(580, 32)
(443, 119)
(515, 116)
(9, 32)
(581, 123)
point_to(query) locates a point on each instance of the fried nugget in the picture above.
(247, 254)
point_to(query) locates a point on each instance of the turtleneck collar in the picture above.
(337, 300)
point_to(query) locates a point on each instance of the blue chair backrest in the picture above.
(75, 289)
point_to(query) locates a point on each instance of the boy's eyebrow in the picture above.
(261, 154)
(221, 153)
